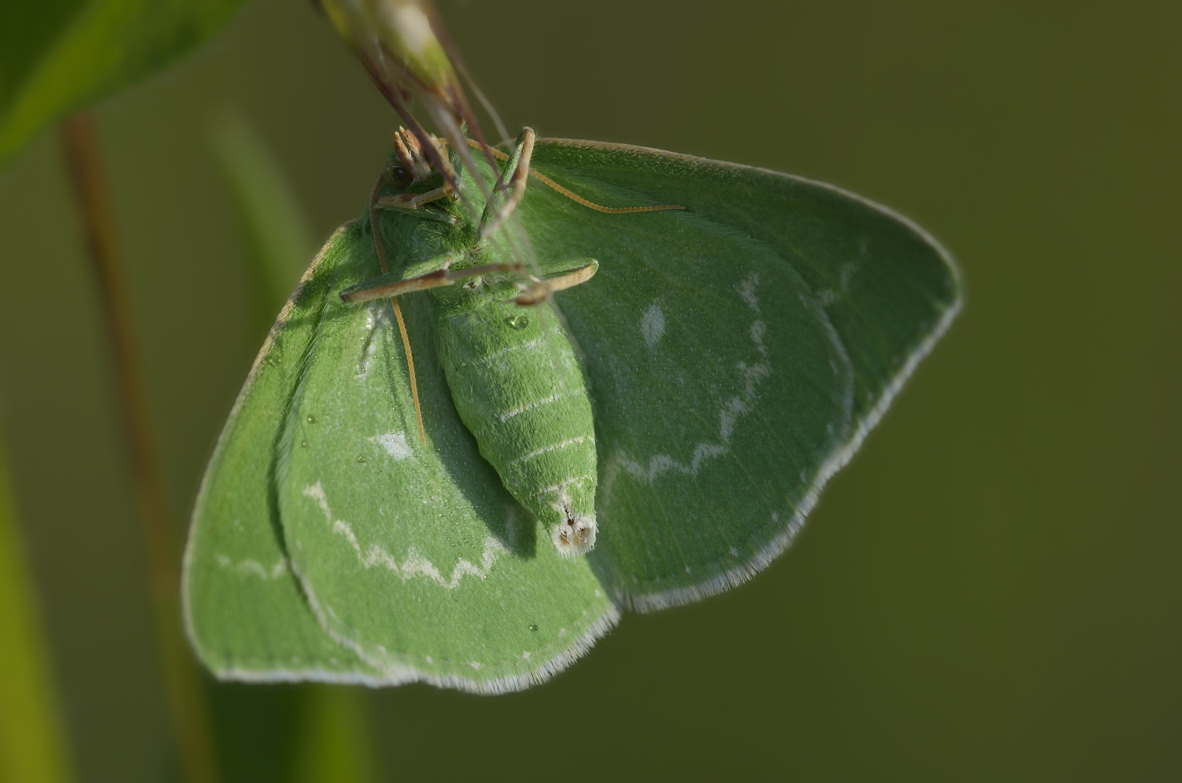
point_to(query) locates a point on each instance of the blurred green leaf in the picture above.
(278, 243)
(58, 55)
(31, 745)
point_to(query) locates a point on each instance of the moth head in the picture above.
(413, 163)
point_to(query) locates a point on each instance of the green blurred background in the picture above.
(991, 591)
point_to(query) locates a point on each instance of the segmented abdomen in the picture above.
(518, 387)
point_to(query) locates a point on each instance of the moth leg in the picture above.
(413, 202)
(414, 165)
(383, 288)
(540, 290)
(507, 193)
(575, 197)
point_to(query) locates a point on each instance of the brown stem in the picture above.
(93, 201)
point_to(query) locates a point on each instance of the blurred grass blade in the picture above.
(332, 741)
(279, 244)
(82, 152)
(58, 55)
(337, 744)
(32, 747)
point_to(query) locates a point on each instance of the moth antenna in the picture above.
(377, 243)
(575, 197)
(373, 221)
(410, 365)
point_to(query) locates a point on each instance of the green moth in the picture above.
(617, 411)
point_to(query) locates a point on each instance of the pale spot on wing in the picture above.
(730, 411)
(394, 443)
(739, 405)
(758, 329)
(414, 564)
(830, 297)
(378, 325)
(652, 325)
(849, 270)
(747, 291)
(659, 464)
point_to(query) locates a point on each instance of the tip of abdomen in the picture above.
(575, 536)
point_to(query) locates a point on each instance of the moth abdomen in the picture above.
(519, 389)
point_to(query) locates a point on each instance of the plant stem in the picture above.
(185, 692)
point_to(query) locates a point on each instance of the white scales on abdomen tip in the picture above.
(575, 536)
